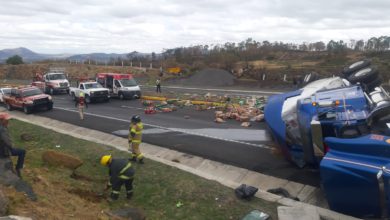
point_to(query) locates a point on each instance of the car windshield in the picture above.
(92, 85)
(31, 92)
(128, 82)
(6, 91)
(57, 76)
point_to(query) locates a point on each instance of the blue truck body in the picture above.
(344, 132)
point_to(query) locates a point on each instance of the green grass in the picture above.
(157, 187)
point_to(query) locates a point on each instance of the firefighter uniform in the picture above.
(81, 104)
(135, 138)
(121, 173)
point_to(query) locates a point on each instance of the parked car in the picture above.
(4, 91)
(28, 98)
(92, 90)
(342, 126)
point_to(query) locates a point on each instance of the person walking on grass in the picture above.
(121, 173)
(6, 149)
(80, 103)
(158, 85)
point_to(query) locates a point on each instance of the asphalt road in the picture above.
(196, 134)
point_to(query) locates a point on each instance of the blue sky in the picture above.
(71, 26)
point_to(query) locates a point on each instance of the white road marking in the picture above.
(218, 90)
(171, 129)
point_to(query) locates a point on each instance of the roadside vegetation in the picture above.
(161, 192)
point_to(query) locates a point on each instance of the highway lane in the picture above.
(198, 135)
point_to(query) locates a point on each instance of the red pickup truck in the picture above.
(27, 98)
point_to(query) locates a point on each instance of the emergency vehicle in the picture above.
(120, 85)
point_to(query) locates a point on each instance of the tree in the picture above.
(14, 60)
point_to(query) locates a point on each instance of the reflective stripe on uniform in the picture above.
(115, 192)
(124, 177)
(130, 191)
(121, 176)
(125, 168)
(136, 141)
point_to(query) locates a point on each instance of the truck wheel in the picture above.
(121, 96)
(369, 87)
(355, 67)
(365, 75)
(87, 99)
(73, 96)
(26, 109)
(49, 107)
(9, 107)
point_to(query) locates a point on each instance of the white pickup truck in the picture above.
(93, 91)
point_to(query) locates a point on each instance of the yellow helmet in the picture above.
(82, 94)
(105, 160)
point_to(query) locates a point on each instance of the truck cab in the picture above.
(122, 86)
(92, 90)
(27, 98)
(52, 82)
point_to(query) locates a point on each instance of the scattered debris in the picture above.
(246, 124)
(128, 213)
(248, 109)
(282, 192)
(256, 215)
(179, 204)
(219, 120)
(176, 160)
(245, 192)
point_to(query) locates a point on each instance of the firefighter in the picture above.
(135, 138)
(80, 103)
(120, 172)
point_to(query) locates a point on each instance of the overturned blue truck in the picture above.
(342, 125)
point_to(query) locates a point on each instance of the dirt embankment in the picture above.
(27, 71)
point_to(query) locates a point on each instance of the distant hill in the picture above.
(25, 53)
(30, 56)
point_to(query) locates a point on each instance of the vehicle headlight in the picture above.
(92, 92)
(124, 88)
(50, 98)
(30, 102)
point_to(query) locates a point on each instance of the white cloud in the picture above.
(71, 26)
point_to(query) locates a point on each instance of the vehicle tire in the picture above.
(364, 76)
(9, 107)
(49, 107)
(87, 99)
(73, 96)
(355, 67)
(369, 87)
(67, 91)
(121, 96)
(26, 109)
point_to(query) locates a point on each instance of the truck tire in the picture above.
(87, 99)
(369, 87)
(26, 109)
(355, 67)
(365, 75)
(9, 107)
(49, 107)
(121, 96)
